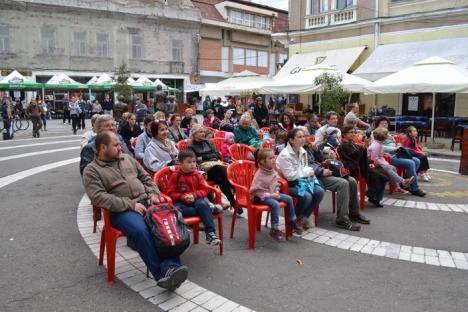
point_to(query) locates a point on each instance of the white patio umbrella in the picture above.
(238, 83)
(431, 75)
(304, 81)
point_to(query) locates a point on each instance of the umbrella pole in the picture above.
(43, 93)
(433, 116)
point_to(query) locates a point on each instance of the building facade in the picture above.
(85, 38)
(379, 37)
(236, 35)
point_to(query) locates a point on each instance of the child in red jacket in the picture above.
(189, 192)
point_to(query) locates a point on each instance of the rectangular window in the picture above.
(102, 43)
(323, 6)
(225, 59)
(261, 21)
(48, 41)
(262, 59)
(177, 46)
(251, 57)
(343, 4)
(136, 46)
(4, 39)
(237, 17)
(79, 43)
(238, 56)
(315, 7)
(249, 19)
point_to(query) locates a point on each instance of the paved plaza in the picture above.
(413, 256)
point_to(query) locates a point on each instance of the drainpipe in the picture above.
(376, 25)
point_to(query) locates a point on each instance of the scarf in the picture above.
(168, 147)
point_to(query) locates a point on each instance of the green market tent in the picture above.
(104, 83)
(158, 82)
(16, 81)
(92, 80)
(63, 82)
(143, 84)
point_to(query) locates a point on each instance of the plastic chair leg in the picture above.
(110, 248)
(334, 201)
(252, 223)
(196, 233)
(221, 234)
(233, 221)
(259, 221)
(316, 216)
(362, 193)
(267, 219)
(102, 247)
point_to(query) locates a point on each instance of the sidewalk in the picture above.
(444, 152)
(54, 127)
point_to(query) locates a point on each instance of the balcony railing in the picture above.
(331, 18)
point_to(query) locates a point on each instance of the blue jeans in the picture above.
(410, 166)
(133, 225)
(376, 193)
(199, 208)
(275, 208)
(306, 204)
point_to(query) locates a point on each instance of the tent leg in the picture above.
(433, 116)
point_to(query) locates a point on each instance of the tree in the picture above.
(333, 94)
(122, 88)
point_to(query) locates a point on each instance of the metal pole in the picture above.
(433, 116)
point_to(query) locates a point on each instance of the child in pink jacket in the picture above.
(228, 141)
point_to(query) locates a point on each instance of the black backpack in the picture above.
(168, 230)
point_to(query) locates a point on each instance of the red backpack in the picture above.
(168, 229)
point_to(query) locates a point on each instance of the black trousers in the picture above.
(424, 166)
(66, 115)
(218, 174)
(75, 122)
(81, 120)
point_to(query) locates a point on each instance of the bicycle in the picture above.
(21, 122)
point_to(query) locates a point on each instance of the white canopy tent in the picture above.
(92, 80)
(431, 75)
(304, 81)
(238, 83)
(158, 82)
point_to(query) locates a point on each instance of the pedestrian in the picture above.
(82, 114)
(108, 105)
(34, 113)
(44, 111)
(8, 114)
(74, 110)
(97, 108)
(140, 111)
(260, 113)
(118, 183)
(160, 99)
(66, 110)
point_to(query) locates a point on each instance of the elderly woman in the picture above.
(160, 152)
(260, 113)
(245, 134)
(227, 124)
(211, 120)
(208, 160)
(292, 164)
(410, 165)
(176, 133)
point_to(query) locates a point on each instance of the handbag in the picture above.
(336, 167)
(404, 153)
(207, 165)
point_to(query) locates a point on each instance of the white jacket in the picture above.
(293, 167)
(155, 157)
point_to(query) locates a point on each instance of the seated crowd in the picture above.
(118, 163)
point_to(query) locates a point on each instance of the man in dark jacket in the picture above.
(260, 113)
(107, 105)
(8, 112)
(81, 116)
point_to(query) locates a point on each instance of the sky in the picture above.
(281, 4)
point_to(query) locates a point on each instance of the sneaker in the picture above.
(419, 193)
(216, 208)
(423, 177)
(375, 202)
(212, 239)
(407, 182)
(428, 176)
(348, 225)
(296, 227)
(399, 190)
(277, 235)
(359, 219)
(173, 278)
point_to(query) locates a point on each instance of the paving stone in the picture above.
(392, 252)
(199, 309)
(404, 256)
(389, 201)
(128, 274)
(151, 292)
(379, 251)
(352, 239)
(455, 208)
(447, 262)
(458, 256)
(418, 250)
(430, 252)
(444, 254)
(384, 244)
(432, 260)
(410, 204)
(399, 203)
(134, 279)
(444, 207)
(345, 245)
(373, 243)
(214, 302)
(197, 290)
(367, 249)
(421, 205)
(310, 236)
(203, 297)
(363, 241)
(464, 207)
(172, 303)
(320, 231)
(161, 297)
(417, 258)
(341, 236)
(356, 247)
(185, 307)
(321, 239)
(226, 307)
(330, 234)
(143, 285)
(332, 242)
(241, 309)
(432, 206)
(461, 264)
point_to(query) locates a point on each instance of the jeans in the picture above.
(410, 166)
(275, 208)
(376, 193)
(199, 208)
(133, 225)
(347, 199)
(308, 202)
(81, 121)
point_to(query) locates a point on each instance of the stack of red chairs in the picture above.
(182, 145)
(241, 151)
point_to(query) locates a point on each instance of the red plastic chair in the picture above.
(96, 217)
(212, 130)
(311, 138)
(240, 175)
(182, 145)
(218, 142)
(362, 183)
(241, 151)
(400, 172)
(219, 134)
(267, 144)
(161, 179)
(265, 129)
(398, 138)
(133, 142)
